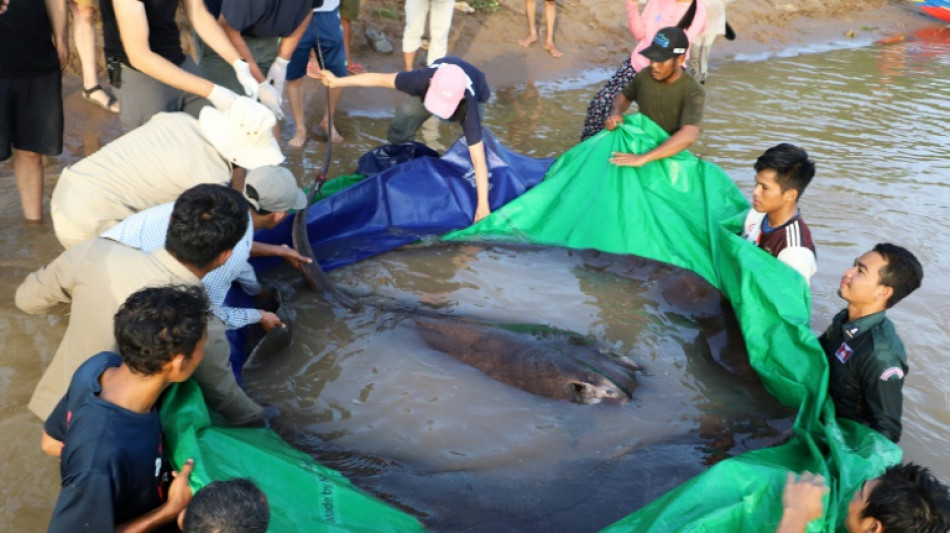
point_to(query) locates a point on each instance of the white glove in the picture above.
(277, 74)
(271, 99)
(221, 97)
(243, 72)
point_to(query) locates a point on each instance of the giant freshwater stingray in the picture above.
(371, 393)
(544, 361)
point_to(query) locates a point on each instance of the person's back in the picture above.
(92, 280)
(156, 162)
(102, 439)
(774, 223)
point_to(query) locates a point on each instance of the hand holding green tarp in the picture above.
(686, 211)
(680, 210)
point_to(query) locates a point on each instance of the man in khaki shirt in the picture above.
(154, 163)
(95, 277)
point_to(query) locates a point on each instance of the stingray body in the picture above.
(561, 366)
(543, 361)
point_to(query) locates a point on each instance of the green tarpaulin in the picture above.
(680, 210)
(685, 211)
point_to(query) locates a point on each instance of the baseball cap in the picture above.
(243, 133)
(667, 43)
(273, 189)
(446, 89)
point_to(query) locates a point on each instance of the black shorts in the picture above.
(31, 114)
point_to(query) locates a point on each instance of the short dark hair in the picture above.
(206, 220)
(157, 323)
(232, 506)
(793, 169)
(903, 271)
(909, 499)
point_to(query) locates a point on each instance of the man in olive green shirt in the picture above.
(666, 94)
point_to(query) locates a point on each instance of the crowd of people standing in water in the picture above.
(160, 222)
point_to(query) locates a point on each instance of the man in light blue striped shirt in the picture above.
(272, 192)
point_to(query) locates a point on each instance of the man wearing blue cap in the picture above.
(666, 94)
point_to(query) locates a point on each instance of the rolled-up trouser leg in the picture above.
(410, 115)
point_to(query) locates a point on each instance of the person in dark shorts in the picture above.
(33, 52)
(107, 431)
(451, 89)
(866, 358)
(323, 39)
(666, 94)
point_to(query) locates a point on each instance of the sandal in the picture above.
(87, 96)
(355, 68)
(378, 41)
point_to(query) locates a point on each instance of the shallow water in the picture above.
(367, 383)
(874, 119)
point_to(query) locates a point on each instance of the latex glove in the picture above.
(221, 97)
(277, 74)
(271, 99)
(243, 72)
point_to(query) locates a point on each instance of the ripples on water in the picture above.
(874, 119)
(461, 450)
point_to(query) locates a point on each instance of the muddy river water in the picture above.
(873, 118)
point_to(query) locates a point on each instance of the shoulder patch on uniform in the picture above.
(843, 353)
(891, 372)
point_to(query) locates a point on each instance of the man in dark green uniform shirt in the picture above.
(867, 358)
(665, 93)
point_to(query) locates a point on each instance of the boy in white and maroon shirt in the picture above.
(774, 223)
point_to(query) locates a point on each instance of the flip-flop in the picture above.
(87, 96)
(378, 41)
(355, 68)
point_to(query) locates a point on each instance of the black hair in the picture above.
(157, 323)
(252, 193)
(793, 169)
(233, 506)
(909, 499)
(903, 271)
(206, 220)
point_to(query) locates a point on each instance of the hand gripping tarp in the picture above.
(680, 210)
(687, 212)
(424, 197)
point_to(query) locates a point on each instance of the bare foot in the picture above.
(298, 140)
(529, 40)
(553, 50)
(334, 136)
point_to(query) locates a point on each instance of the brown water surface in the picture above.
(874, 119)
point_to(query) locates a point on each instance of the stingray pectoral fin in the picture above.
(275, 341)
